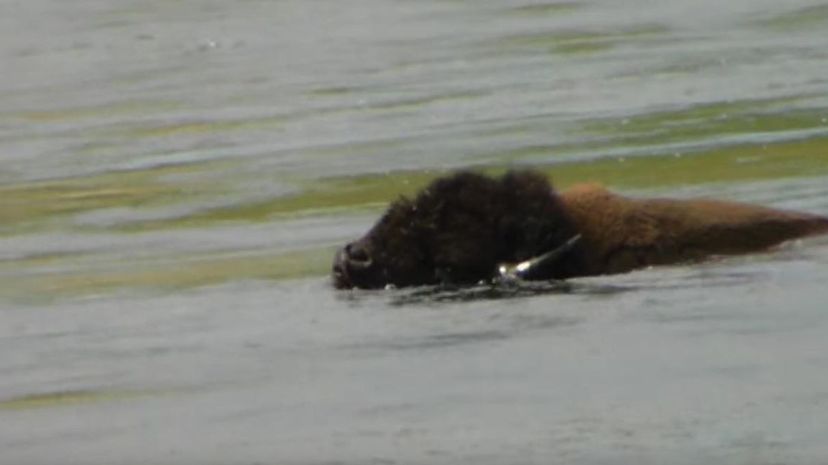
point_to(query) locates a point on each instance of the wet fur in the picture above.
(461, 227)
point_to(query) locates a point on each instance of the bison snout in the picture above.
(351, 264)
(357, 256)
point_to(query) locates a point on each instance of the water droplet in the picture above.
(207, 44)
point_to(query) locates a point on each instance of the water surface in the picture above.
(175, 176)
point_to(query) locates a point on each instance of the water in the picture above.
(176, 175)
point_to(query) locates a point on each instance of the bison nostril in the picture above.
(357, 256)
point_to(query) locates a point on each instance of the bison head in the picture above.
(462, 229)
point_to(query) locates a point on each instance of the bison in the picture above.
(467, 227)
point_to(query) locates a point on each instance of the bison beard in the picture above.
(467, 227)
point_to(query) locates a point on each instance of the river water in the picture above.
(175, 176)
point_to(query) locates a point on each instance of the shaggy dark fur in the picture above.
(458, 229)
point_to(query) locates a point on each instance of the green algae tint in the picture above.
(170, 274)
(741, 163)
(808, 17)
(738, 163)
(204, 127)
(34, 205)
(335, 195)
(581, 41)
(72, 114)
(318, 197)
(72, 398)
(547, 9)
(709, 121)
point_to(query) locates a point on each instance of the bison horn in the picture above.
(526, 268)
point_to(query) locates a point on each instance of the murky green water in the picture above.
(174, 178)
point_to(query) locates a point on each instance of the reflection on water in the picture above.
(176, 175)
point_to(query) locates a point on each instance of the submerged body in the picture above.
(467, 227)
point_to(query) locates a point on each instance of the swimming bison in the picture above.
(467, 228)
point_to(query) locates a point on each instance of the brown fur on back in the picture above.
(621, 233)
